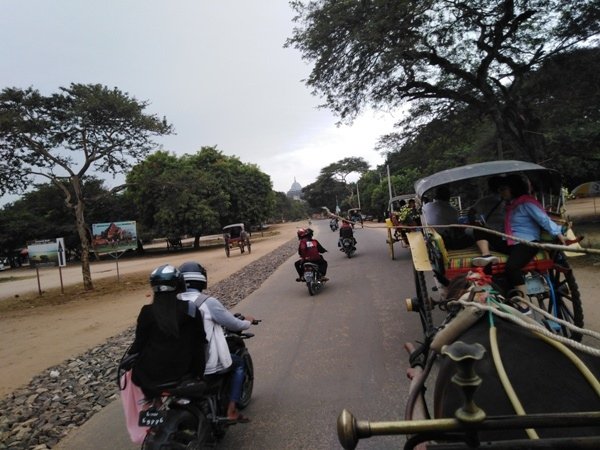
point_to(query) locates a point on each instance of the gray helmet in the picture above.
(195, 275)
(167, 278)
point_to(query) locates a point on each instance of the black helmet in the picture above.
(167, 278)
(195, 275)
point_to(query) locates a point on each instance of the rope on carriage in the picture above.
(516, 317)
(542, 246)
(505, 380)
(553, 339)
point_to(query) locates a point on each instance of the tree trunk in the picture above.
(83, 235)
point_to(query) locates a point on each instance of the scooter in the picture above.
(193, 414)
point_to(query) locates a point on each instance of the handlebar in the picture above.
(241, 317)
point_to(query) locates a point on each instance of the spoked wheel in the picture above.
(179, 431)
(423, 305)
(564, 299)
(248, 384)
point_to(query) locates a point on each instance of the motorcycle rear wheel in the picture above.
(179, 431)
(248, 384)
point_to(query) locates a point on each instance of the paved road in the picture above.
(314, 356)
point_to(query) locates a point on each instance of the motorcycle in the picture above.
(193, 414)
(348, 247)
(312, 276)
(333, 225)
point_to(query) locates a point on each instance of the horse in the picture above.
(546, 376)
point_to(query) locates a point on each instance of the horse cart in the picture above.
(549, 279)
(236, 237)
(399, 214)
(500, 377)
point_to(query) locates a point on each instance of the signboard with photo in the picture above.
(114, 237)
(47, 253)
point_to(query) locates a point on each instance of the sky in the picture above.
(217, 70)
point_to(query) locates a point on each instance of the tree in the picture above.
(42, 214)
(66, 136)
(192, 194)
(173, 198)
(443, 53)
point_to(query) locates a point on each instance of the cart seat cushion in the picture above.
(461, 262)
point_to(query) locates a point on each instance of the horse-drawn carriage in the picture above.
(549, 278)
(236, 237)
(503, 378)
(400, 213)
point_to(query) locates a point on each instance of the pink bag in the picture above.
(133, 401)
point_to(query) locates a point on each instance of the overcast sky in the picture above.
(217, 70)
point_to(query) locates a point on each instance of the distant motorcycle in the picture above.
(193, 415)
(348, 247)
(312, 277)
(333, 225)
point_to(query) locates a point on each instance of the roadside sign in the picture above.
(62, 257)
(114, 237)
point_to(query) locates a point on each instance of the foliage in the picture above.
(439, 54)
(564, 94)
(325, 191)
(43, 214)
(68, 135)
(286, 209)
(200, 193)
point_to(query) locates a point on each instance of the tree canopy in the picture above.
(66, 136)
(199, 193)
(445, 54)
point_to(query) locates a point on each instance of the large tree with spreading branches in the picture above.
(66, 136)
(439, 55)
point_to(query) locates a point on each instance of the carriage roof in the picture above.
(233, 225)
(484, 169)
(398, 198)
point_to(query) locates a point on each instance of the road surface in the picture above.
(314, 356)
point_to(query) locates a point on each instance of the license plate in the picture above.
(151, 418)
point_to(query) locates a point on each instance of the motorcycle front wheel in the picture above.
(180, 430)
(248, 384)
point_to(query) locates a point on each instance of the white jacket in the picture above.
(218, 357)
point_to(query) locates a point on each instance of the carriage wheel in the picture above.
(249, 247)
(390, 241)
(227, 249)
(568, 299)
(424, 302)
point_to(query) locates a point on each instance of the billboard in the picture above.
(47, 253)
(114, 237)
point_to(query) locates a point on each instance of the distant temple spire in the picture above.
(295, 191)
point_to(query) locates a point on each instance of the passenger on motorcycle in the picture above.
(216, 316)
(169, 342)
(346, 232)
(310, 249)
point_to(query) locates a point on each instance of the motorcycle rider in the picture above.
(169, 343)
(310, 249)
(346, 231)
(333, 224)
(215, 316)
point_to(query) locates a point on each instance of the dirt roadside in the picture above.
(34, 339)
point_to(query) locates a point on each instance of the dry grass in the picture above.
(52, 297)
(102, 287)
